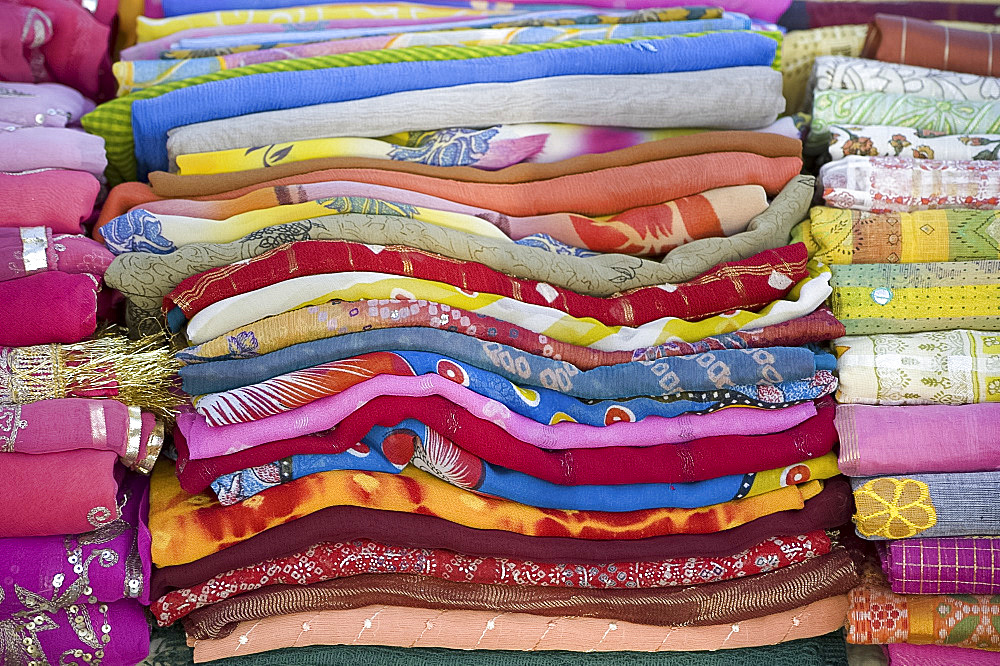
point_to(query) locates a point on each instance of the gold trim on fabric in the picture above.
(34, 243)
(98, 426)
(134, 440)
(153, 447)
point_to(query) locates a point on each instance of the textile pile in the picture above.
(534, 379)
(82, 408)
(910, 230)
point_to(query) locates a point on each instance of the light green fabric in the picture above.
(842, 107)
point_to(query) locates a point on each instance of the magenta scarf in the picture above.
(206, 441)
(68, 424)
(48, 307)
(918, 439)
(54, 198)
(31, 250)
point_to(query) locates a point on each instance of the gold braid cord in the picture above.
(140, 373)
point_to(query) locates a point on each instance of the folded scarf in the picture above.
(586, 152)
(154, 28)
(470, 630)
(345, 318)
(831, 508)
(677, 12)
(905, 298)
(845, 107)
(594, 193)
(943, 566)
(915, 42)
(903, 654)
(135, 372)
(942, 367)
(139, 74)
(25, 31)
(54, 198)
(926, 505)
(492, 148)
(85, 481)
(888, 184)
(146, 278)
(828, 649)
(877, 616)
(822, 13)
(328, 561)
(48, 307)
(48, 574)
(712, 603)
(32, 148)
(309, 81)
(838, 236)
(75, 54)
(548, 99)
(247, 307)
(389, 450)
(748, 284)
(894, 141)
(699, 459)
(114, 633)
(643, 231)
(698, 372)
(42, 105)
(188, 527)
(53, 426)
(642, 422)
(859, 74)
(35, 249)
(900, 440)
(233, 39)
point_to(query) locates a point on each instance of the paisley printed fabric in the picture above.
(188, 527)
(895, 141)
(411, 442)
(877, 616)
(943, 367)
(905, 298)
(895, 184)
(837, 236)
(325, 561)
(926, 505)
(863, 75)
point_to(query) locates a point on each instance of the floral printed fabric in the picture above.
(926, 505)
(877, 616)
(943, 367)
(838, 236)
(895, 141)
(842, 107)
(326, 561)
(896, 184)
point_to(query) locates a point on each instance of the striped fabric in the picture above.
(113, 120)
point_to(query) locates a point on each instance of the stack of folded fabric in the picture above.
(910, 229)
(74, 441)
(536, 375)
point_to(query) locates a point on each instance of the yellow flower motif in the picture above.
(894, 508)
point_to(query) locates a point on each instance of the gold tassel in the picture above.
(140, 373)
